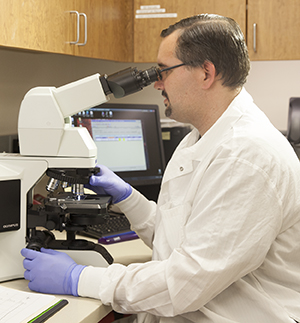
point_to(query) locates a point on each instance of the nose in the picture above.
(159, 85)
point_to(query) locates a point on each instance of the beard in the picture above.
(168, 111)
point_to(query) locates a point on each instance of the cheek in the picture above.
(172, 88)
(178, 92)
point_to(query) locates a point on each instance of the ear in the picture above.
(210, 74)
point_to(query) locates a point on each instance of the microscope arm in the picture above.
(44, 126)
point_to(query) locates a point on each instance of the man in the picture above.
(225, 232)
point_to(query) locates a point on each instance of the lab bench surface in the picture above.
(87, 310)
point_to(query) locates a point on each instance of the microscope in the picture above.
(50, 146)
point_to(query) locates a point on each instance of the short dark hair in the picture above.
(216, 39)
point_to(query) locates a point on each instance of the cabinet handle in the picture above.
(77, 27)
(254, 37)
(85, 29)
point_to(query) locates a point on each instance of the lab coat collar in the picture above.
(215, 135)
(191, 150)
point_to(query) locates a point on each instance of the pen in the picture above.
(44, 316)
(125, 236)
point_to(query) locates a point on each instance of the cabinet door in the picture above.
(148, 25)
(277, 25)
(36, 24)
(109, 29)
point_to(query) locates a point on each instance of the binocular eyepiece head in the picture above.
(129, 80)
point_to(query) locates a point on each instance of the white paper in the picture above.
(156, 6)
(141, 11)
(158, 15)
(16, 306)
(153, 11)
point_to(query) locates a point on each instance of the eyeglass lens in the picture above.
(168, 68)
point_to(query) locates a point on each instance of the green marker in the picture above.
(44, 316)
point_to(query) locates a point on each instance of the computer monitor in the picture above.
(128, 140)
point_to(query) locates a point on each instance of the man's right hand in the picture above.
(107, 182)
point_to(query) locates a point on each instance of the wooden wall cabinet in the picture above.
(273, 29)
(121, 30)
(36, 25)
(147, 29)
(105, 27)
(109, 29)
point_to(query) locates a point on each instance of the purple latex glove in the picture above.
(107, 182)
(50, 271)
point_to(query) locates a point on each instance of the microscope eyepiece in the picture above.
(149, 76)
(129, 81)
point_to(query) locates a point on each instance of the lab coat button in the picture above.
(181, 168)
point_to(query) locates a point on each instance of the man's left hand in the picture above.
(50, 271)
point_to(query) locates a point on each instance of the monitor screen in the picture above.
(128, 140)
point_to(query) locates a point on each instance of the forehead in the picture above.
(166, 51)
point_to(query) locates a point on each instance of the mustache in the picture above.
(164, 93)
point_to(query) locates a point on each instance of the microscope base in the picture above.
(83, 252)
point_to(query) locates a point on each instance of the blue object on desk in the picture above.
(125, 236)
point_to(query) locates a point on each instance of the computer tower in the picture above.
(172, 134)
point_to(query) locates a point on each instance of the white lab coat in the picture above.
(225, 233)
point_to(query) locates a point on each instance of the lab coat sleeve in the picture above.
(226, 234)
(141, 214)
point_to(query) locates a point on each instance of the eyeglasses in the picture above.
(168, 69)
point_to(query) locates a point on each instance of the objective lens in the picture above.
(78, 189)
(52, 184)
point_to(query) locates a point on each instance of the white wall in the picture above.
(270, 83)
(22, 70)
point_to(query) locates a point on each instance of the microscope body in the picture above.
(50, 146)
(47, 142)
